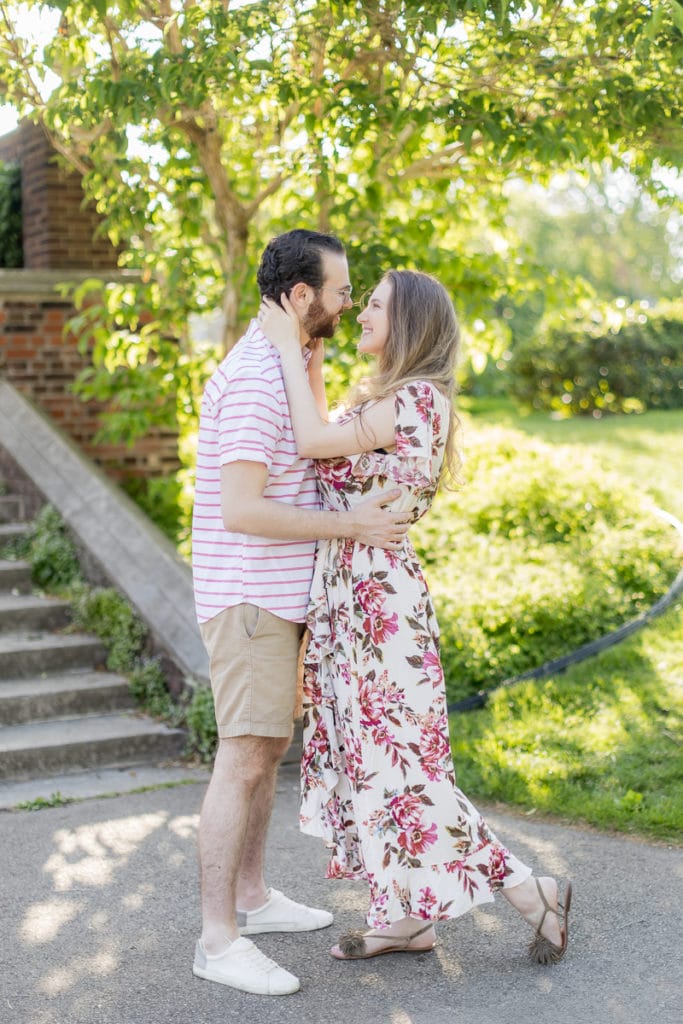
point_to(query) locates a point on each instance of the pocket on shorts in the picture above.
(251, 616)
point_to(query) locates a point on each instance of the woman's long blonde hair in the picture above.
(423, 344)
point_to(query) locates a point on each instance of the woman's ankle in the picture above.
(528, 902)
(526, 899)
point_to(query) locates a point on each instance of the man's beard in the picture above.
(319, 322)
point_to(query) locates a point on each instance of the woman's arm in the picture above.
(316, 438)
(316, 380)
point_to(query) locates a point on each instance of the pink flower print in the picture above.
(380, 628)
(434, 748)
(436, 429)
(311, 685)
(406, 810)
(344, 673)
(392, 557)
(315, 754)
(353, 757)
(379, 895)
(414, 477)
(334, 472)
(371, 704)
(353, 747)
(371, 596)
(392, 692)
(334, 812)
(334, 869)
(417, 839)
(403, 443)
(382, 736)
(346, 553)
(424, 402)
(497, 867)
(426, 901)
(432, 664)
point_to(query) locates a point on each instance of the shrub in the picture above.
(54, 562)
(16, 548)
(104, 612)
(606, 360)
(200, 720)
(147, 685)
(535, 556)
(160, 499)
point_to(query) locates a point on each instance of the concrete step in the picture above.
(29, 612)
(86, 743)
(11, 508)
(13, 531)
(24, 653)
(15, 576)
(65, 726)
(56, 789)
(62, 696)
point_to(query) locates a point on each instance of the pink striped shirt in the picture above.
(245, 416)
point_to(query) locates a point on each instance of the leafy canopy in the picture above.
(202, 128)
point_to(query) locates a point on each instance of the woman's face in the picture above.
(375, 320)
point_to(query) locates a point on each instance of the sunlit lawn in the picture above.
(602, 743)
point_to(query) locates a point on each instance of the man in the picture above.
(256, 520)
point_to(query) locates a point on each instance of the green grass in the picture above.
(601, 743)
(40, 802)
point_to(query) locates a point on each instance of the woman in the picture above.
(378, 784)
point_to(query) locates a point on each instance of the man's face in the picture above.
(327, 305)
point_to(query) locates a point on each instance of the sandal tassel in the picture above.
(543, 951)
(352, 943)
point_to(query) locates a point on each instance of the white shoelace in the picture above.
(256, 958)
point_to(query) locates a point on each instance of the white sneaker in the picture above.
(245, 967)
(280, 914)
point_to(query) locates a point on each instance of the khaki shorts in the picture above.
(253, 658)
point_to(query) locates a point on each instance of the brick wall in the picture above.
(42, 362)
(58, 230)
(35, 355)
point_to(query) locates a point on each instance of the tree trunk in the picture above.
(235, 267)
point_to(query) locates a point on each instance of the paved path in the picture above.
(99, 912)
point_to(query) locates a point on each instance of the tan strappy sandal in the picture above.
(541, 949)
(354, 947)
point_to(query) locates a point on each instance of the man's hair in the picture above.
(292, 258)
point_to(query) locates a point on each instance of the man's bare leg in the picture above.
(251, 890)
(244, 770)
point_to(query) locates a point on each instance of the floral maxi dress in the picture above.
(378, 784)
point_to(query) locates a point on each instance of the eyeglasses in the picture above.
(343, 294)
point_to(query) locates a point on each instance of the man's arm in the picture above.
(246, 510)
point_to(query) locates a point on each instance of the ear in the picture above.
(300, 296)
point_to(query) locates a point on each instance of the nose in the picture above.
(348, 302)
(361, 317)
